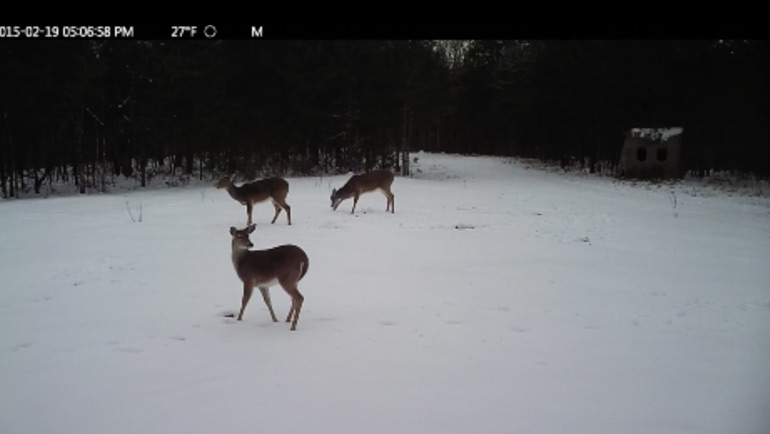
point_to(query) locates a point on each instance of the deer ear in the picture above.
(252, 227)
(232, 230)
(334, 191)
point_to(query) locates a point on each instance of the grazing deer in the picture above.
(284, 265)
(365, 183)
(275, 189)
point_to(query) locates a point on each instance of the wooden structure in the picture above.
(650, 153)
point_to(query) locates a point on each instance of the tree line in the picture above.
(88, 111)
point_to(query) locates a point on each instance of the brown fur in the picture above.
(283, 265)
(365, 183)
(276, 189)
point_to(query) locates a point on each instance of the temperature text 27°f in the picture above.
(183, 31)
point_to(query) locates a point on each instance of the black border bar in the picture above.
(318, 31)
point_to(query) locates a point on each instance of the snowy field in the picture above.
(499, 298)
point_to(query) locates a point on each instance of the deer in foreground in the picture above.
(364, 183)
(276, 189)
(283, 265)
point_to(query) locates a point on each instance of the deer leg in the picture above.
(292, 309)
(355, 201)
(266, 297)
(247, 290)
(277, 211)
(281, 204)
(288, 211)
(389, 198)
(249, 207)
(296, 305)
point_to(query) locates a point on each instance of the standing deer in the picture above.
(284, 265)
(365, 183)
(276, 189)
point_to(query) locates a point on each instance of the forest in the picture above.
(87, 111)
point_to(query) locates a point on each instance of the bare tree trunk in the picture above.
(21, 187)
(3, 180)
(13, 190)
(143, 171)
(189, 160)
(402, 147)
(5, 140)
(40, 179)
(13, 181)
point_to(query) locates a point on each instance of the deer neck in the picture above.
(233, 191)
(238, 254)
(346, 191)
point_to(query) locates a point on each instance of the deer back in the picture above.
(263, 189)
(282, 263)
(366, 182)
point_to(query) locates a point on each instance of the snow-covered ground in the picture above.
(499, 298)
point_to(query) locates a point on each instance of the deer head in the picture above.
(241, 239)
(224, 182)
(336, 200)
